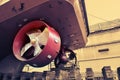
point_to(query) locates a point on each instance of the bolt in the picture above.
(20, 25)
(25, 19)
(41, 19)
(56, 41)
(34, 65)
(49, 56)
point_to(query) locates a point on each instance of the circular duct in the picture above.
(36, 43)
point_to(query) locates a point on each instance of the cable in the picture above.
(102, 19)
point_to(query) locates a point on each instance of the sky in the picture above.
(102, 10)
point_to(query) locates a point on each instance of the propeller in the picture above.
(38, 40)
(36, 43)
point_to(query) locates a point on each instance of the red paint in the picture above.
(48, 53)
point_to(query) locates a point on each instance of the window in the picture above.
(103, 50)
